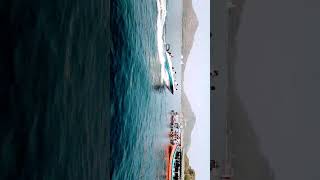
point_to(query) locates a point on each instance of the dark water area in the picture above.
(77, 98)
(54, 89)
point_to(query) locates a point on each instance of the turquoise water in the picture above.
(138, 111)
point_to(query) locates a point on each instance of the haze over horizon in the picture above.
(197, 88)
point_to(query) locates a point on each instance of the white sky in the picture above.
(197, 88)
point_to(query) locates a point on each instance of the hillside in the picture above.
(189, 173)
(189, 27)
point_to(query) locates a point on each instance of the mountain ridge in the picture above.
(190, 24)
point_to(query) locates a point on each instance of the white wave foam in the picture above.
(162, 13)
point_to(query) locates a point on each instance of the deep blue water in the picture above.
(54, 90)
(138, 112)
(69, 108)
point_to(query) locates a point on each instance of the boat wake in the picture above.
(164, 57)
(160, 75)
(161, 18)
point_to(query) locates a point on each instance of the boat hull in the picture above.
(167, 76)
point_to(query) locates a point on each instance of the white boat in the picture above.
(167, 75)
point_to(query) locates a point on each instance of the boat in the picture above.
(174, 162)
(167, 76)
(174, 150)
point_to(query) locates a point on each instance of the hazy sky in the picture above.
(197, 88)
(278, 78)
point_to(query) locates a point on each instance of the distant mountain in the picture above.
(189, 26)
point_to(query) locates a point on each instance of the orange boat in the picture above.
(169, 157)
(173, 162)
